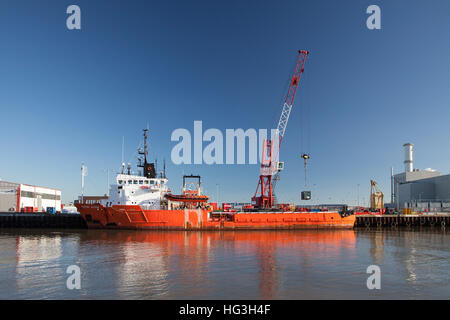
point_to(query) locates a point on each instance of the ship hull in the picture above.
(133, 217)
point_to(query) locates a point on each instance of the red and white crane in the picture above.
(270, 166)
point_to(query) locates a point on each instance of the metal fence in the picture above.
(425, 205)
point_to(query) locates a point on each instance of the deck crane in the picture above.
(270, 166)
(376, 197)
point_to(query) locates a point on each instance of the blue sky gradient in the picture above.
(69, 96)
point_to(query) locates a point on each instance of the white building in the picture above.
(420, 189)
(17, 197)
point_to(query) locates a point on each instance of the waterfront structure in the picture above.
(23, 197)
(421, 190)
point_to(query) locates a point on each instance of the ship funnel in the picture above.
(408, 157)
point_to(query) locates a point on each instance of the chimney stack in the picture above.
(408, 157)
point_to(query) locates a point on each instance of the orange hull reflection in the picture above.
(133, 217)
(195, 254)
(334, 239)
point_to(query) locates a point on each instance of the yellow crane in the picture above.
(376, 196)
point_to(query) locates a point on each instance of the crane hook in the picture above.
(305, 157)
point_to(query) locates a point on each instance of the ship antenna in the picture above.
(145, 146)
(123, 144)
(145, 142)
(164, 170)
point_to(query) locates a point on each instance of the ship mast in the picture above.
(149, 168)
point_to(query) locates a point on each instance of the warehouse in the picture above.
(420, 190)
(28, 198)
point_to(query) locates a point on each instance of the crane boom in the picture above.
(289, 101)
(269, 164)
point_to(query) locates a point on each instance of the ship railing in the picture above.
(215, 216)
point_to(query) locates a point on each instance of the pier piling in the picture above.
(41, 220)
(385, 221)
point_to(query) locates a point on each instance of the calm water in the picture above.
(224, 265)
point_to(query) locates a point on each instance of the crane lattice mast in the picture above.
(270, 166)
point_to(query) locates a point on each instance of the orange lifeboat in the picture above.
(187, 197)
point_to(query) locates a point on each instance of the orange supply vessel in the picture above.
(144, 201)
(134, 217)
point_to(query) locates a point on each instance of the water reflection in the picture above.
(377, 248)
(417, 259)
(221, 265)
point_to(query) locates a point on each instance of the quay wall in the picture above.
(41, 220)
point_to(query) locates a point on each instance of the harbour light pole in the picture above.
(83, 174)
(107, 180)
(358, 195)
(217, 193)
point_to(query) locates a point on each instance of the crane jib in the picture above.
(264, 197)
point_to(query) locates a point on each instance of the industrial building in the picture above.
(421, 190)
(28, 198)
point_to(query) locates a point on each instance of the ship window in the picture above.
(120, 181)
(146, 181)
(141, 181)
(135, 181)
(130, 181)
(152, 181)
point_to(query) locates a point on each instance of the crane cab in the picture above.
(280, 166)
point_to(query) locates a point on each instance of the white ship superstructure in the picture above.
(137, 190)
(146, 190)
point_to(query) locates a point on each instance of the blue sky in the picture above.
(70, 96)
